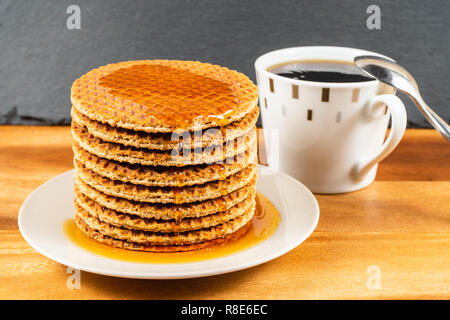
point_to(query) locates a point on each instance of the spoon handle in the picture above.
(436, 121)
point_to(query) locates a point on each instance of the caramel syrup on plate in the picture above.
(263, 225)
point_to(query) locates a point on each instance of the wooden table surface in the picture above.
(390, 240)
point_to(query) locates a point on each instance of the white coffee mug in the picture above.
(330, 136)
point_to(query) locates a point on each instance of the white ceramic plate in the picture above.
(43, 213)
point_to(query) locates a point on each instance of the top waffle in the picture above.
(164, 95)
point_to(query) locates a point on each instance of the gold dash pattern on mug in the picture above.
(325, 94)
(355, 95)
(272, 89)
(309, 115)
(295, 91)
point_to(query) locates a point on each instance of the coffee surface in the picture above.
(320, 71)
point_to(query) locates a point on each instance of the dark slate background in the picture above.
(40, 57)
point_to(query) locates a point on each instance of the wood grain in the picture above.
(400, 224)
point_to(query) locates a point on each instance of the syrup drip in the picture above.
(263, 225)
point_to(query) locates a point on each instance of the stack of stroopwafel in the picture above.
(164, 154)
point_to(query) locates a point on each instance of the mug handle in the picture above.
(398, 127)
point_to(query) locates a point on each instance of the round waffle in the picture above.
(118, 152)
(177, 195)
(164, 176)
(165, 141)
(157, 238)
(94, 234)
(164, 95)
(167, 211)
(135, 222)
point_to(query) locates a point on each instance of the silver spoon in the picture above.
(389, 72)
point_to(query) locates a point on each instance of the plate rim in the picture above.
(174, 275)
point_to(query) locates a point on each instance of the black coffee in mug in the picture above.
(320, 71)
